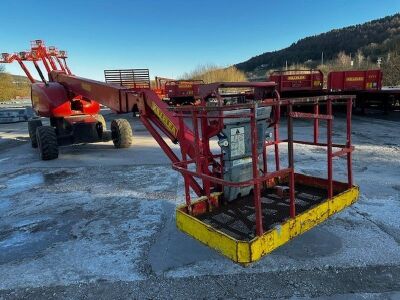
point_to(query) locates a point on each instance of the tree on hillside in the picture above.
(391, 69)
(343, 60)
(375, 39)
(212, 73)
(359, 58)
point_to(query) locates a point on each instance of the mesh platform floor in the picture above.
(237, 218)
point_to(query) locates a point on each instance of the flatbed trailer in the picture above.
(385, 100)
(178, 92)
(365, 85)
(243, 208)
(297, 80)
(355, 80)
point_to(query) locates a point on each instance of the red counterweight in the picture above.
(52, 100)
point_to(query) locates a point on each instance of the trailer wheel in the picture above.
(47, 142)
(32, 126)
(121, 133)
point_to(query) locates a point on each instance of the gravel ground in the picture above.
(98, 223)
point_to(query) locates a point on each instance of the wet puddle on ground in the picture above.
(21, 184)
(30, 237)
(27, 181)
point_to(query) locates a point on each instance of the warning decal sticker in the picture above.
(237, 141)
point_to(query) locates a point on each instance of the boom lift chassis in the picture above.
(243, 208)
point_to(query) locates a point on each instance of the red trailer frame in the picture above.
(177, 92)
(182, 88)
(297, 80)
(355, 80)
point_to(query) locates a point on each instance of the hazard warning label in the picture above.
(237, 141)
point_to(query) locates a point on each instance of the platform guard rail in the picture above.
(196, 167)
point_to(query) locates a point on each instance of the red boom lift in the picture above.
(245, 209)
(74, 117)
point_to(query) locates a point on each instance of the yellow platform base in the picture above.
(245, 252)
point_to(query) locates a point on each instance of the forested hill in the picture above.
(13, 86)
(374, 39)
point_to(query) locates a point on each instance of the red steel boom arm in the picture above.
(124, 100)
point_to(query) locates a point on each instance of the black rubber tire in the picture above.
(121, 133)
(47, 142)
(32, 126)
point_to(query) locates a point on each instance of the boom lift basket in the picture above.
(282, 204)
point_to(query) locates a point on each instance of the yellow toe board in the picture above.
(245, 252)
